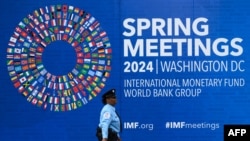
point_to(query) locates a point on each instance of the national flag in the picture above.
(84, 71)
(64, 8)
(41, 19)
(41, 11)
(13, 39)
(16, 84)
(39, 103)
(21, 89)
(94, 67)
(43, 72)
(91, 44)
(107, 45)
(106, 74)
(93, 93)
(75, 89)
(40, 95)
(24, 34)
(25, 93)
(46, 33)
(11, 70)
(65, 37)
(98, 39)
(91, 73)
(56, 100)
(67, 29)
(76, 10)
(80, 76)
(55, 86)
(43, 44)
(34, 101)
(91, 28)
(58, 16)
(25, 67)
(52, 8)
(102, 55)
(36, 13)
(67, 85)
(108, 50)
(53, 22)
(65, 78)
(24, 62)
(62, 99)
(17, 56)
(22, 79)
(93, 84)
(44, 98)
(80, 55)
(107, 68)
(45, 106)
(70, 24)
(86, 49)
(98, 73)
(79, 61)
(102, 34)
(94, 55)
(105, 39)
(70, 40)
(41, 35)
(47, 17)
(36, 21)
(85, 33)
(100, 68)
(76, 18)
(53, 78)
(26, 44)
(21, 39)
(11, 44)
(32, 66)
(89, 38)
(35, 92)
(17, 50)
(10, 62)
(22, 25)
(101, 50)
(68, 107)
(50, 99)
(94, 33)
(99, 44)
(72, 32)
(94, 61)
(10, 56)
(102, 85)
(9, 50)
(86, 66)
(61, 86)
(71, 8)
(74, 44)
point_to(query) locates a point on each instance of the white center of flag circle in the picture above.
(81, 31)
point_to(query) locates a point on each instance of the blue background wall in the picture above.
(219, 105)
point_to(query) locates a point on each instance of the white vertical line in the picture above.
(156, 61)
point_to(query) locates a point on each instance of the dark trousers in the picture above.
(112, 136)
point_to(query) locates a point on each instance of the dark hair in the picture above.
(104, 101)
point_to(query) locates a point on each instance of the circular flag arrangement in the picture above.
(93, 57)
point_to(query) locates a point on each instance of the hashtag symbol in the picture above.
(167, 124)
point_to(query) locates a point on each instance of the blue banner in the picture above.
(180, 69)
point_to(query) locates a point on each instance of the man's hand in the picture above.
(104, 139)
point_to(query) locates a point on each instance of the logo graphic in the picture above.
(75, 27)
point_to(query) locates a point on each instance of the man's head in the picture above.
(109, 97)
